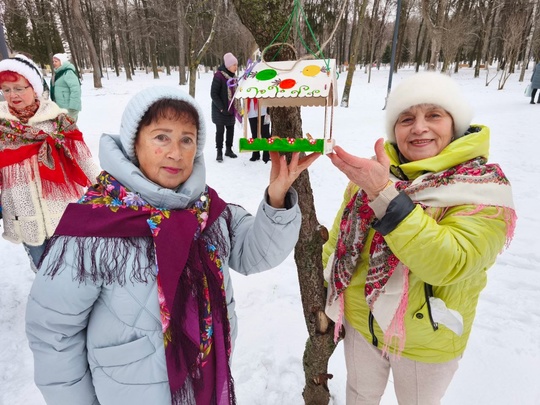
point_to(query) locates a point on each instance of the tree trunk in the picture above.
(181, 43)
(112, 34)
(287, 122)
(195, 60)
(435, 26)
(77, 16)
(404, 19)
(122, 43)
(353, 57)
(151, 39)
(528, 42)
(372, 36)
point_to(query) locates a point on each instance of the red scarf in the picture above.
(57, 153)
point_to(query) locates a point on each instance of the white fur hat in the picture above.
(140, 103)
(25, 67)
(62, 57)
(428, 88)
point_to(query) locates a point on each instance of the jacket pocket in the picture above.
(134, 363)
(124, 354)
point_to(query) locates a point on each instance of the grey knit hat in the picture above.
(428, 88)
(140, 103)
(25, 67)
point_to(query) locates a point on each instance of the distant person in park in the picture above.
(66, 86)
(133, 303)
(535, 83)
(44, 161)
(225, 109)
(407, 257)
(253, 114)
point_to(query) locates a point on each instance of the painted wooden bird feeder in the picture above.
(300, 83)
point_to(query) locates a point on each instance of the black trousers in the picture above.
(220, 131)
(265, 133)
(534, 94)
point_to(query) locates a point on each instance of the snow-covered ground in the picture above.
(501, 365)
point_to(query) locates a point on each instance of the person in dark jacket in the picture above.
(224, 110)
(535, 83)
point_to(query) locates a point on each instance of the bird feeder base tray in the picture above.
(323, 146)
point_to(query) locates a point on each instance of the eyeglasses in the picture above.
(17, 90)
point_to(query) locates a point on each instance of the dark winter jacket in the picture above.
(221, 115)
(535, 79)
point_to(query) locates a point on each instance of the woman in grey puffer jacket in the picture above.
(133, 302)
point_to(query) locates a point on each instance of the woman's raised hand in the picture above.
(370, 174)
(282, 175)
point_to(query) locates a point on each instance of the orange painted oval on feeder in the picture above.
(287, 84)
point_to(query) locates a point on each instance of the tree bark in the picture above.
(181, 42)
(122, 43)
(77, 16)
(435, 25)
(195, 60)
(151, 39)
(404, 20)
(355, 47)
(264, 19)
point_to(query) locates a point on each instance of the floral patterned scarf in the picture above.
(185, 257)
(26, 113)
(466, 181)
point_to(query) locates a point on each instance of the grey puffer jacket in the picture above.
(102, 343)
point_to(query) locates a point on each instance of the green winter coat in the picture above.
(452, 255)
(66, 90)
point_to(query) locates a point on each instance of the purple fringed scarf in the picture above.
(197, 338)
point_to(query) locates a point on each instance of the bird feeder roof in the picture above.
(299, 83)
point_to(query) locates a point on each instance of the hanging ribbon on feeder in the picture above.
(233, 82)
(298, 14)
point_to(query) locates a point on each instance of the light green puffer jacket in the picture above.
(67, 88)
(452, 255)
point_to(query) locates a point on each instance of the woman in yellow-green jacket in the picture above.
(420, 224)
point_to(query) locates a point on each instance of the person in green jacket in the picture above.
(65, 86)
(421, 223)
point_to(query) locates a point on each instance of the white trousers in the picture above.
(415, 383)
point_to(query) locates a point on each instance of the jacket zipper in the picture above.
(374, 339)
(428, 290)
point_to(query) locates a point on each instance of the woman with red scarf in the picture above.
(44, 162)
